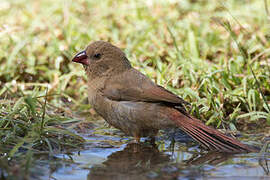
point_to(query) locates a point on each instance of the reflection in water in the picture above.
(263, 162)
(106, 157)
(211, 158)
(139, 161)
(134, 162)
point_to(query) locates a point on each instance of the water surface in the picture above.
(113, 157)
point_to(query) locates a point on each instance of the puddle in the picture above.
(115, 157)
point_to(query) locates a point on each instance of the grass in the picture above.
(214, 54)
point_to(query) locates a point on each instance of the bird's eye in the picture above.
(97, 56)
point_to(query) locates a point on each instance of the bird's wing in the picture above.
(132, 85)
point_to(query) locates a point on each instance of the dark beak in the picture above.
(81, 57)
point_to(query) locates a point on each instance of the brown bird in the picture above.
(131, 102)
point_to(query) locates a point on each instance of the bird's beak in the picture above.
(81, 57)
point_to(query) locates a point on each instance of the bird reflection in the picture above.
(140, 161)
(131, 163)
(211, 158)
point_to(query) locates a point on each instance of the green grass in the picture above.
(214, 54)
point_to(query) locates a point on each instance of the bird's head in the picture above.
(101, 58)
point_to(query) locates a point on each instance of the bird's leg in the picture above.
(152, 141)
(137, 144)
(137, 139)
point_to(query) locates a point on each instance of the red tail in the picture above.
(208, 137)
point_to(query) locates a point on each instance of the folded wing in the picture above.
(135, 86)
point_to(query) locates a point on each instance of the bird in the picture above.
(130, 101)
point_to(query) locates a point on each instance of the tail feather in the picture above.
(208, 137)
(200, 136)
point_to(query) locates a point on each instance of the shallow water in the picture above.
(115, 157)
(109, 155)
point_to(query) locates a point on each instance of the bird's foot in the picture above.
(137, 139)
(153, 141)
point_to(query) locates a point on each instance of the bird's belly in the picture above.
(134, 118)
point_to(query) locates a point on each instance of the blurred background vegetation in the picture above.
(214, 54)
